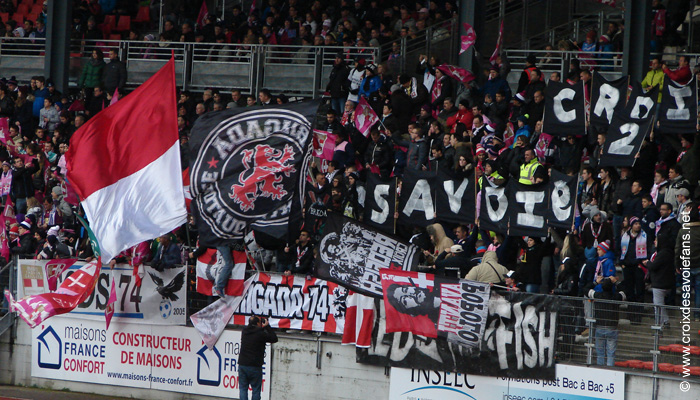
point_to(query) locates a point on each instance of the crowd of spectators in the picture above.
(627, 236)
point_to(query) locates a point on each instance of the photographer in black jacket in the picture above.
(253, 340)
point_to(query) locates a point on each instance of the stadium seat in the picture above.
(36, 9)
(648, 365)
(106, 29)
(5, 17)
(110, 21)
(19, 18)
(665, 367)
(623, 364)
(114, 36)
(124, 24)
(637, 364)
(22, 9)
(32, 17)
(143, 15)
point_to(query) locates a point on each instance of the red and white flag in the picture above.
(109, 310)
(124, 163)
(457, 73)
(203, 11)
(252, 9)
(365, 117)
(186, 187)
(469, 39)
(209, 265)
(359, 320)
(54, 268)
(611, 3)
(324, 144)
(499, 42)
(73, 291)
(211, 321)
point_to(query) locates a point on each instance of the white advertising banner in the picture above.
(161, 299)
(170, 358)
(571, 383)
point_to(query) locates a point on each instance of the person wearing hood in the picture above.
(439, 241)
(61, 204)
(91, 76)
(355, 77)
(662, 275)
(489, 270)
(338, 83)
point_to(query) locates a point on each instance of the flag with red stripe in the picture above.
(210, 264)
(294, 302)
(359, 320)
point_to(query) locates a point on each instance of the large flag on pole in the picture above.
(124, 163)
(365, 117)
(467, 40)
(499, 43)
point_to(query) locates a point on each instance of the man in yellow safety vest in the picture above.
(529, 167)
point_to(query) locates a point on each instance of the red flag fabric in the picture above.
(208, 266)
(499, 42)
(109, 310)
(203, 11)
(611, 3)
(186, 187)
(124, 163)
(115, 97)
(365, 117)
(73, 291)
(323, 144)
(54, 268)
(409, 301)
(469, 39)
(359, 320)
(458, 73)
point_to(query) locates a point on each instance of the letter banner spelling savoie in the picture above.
(161, 299)
(435, 306)
(140, 356)
(352, 253)
(519, 342)
(294, 302)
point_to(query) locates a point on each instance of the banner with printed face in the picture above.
(352, 253)
(629, 128)
(607, 99)
(519, 342)
(564, 109)
(380, 203)
(527, 209)
(170, 358)
(455, 199)
(416, 203)
(294, 302)
(434, 306)
(678, 110)
(562, 200)
(493, 215)
(161, 298)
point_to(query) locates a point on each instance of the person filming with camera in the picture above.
(254, 338)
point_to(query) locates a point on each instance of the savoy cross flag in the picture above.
(365, 117)
(468, 39)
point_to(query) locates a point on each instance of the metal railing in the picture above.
(8, 276)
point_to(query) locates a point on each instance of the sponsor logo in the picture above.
(50, 349)
(209, 367)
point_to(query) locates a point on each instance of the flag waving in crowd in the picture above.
(133, 189)
(365, 117)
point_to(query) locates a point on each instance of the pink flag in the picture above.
(458, 73)
(73, 291)
(4, 244)
(109, 310)
(115, 97)
(54, 268)
(468, 39)
(4, 130)
(203, 11)
(365, 117)
(499, 42)
(324, 144)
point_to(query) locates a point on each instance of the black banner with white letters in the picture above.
(416, 200)
(629, 128)
(519, 342)
(493, 215)
(380, 203)
(455, 199)
(527, 209)
(607, 99)
(352, 253)
(678, 111)
(564, 109)
(562, 200)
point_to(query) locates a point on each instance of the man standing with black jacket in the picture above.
(254, 338)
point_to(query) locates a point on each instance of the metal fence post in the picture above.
(428, 35)
(403, 55)
(318, 71)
